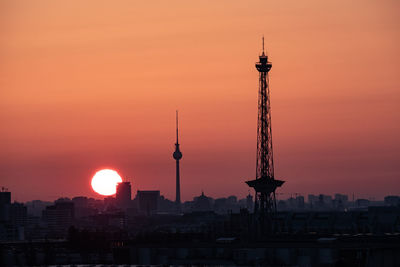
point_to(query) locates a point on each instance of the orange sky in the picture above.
(92, 84)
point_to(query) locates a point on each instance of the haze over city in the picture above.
(87, 85)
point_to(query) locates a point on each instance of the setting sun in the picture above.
(105, 181)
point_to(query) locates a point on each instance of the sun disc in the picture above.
(105, 181)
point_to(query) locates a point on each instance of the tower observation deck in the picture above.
(265, 183)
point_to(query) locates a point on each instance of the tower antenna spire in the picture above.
(177, 127)
(263, 43)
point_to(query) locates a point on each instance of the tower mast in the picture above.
(177, 155)
(265, 183)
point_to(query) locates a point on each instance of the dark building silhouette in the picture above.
(59, 217)
(5, 202)
(5, 197)
(148, 201)
(82, 207)
(202, 203)
(362, 202)
(110, 202)
(13, 218)
(249, 202)
(392, 200)
(123, 196)
(36, 207)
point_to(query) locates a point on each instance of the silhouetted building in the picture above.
(340, 201)
(362, 202)
(36, 207)
(392, 200)
(80, 202)
(5, 202)
(249, 202)
(312, 200)
(202, 203)
(300, 202)
(12, 218)
(123, 196)
(59, 217)
(108, 221)
(82, 207)
(220, 205)
(148, 201)
(110, 202)
(166, 205)
(18, 216)
(5, 197)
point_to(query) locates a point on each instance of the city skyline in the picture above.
(92, 98)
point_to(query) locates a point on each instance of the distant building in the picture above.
(13, 218)
(5, 202)
(5, 197)
(202, 203)
(312, 200)
(340, 201)
(166, 206)
(300, 202)
(249, 203)
(109, 220)
(110, 203)
(80, 202)
(232, 200)
(148, 201)
(220, 205)
(59, 217)
(18, 218)
(392, 200)
(362, 202)
(341, 197)
(291, 203)
(36, 207)
(18, 214)
(123, 195)
(82, 207)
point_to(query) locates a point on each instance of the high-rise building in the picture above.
(123, 195)
(13, 218)
(5, 197)
(5, 204)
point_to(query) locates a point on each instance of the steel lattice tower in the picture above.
(265, 183)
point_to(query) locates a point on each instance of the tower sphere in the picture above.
(177, 155)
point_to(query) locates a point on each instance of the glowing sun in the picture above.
(105, 182)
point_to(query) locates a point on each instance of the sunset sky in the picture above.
(91, 84)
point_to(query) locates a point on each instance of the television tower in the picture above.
(177, 156)
(265, 183)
